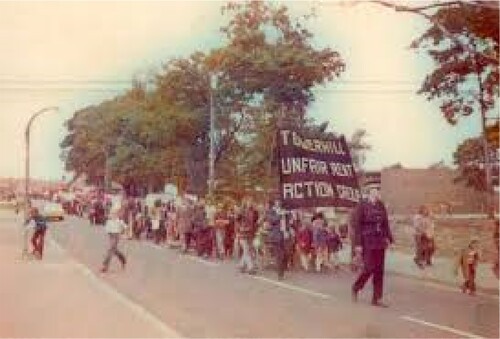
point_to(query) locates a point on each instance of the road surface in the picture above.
(169, 294)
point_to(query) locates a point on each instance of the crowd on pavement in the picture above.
(258, 236)
(262, 236)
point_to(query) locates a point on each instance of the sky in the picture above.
(75, 54)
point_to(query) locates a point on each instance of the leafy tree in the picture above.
(469, 158)
(358, 148)
(137, 137)
(466, 74)
(266, 70)
(493, 135)
(463, 41)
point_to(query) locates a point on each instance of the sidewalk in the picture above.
(440, 272)
(57, 297)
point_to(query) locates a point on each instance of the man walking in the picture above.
(184, 223)
(372, 235)
(114, 227)
(39, 226)
(245, 236)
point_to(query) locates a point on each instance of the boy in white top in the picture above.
(114, 227)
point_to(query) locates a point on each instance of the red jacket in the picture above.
(304, 239)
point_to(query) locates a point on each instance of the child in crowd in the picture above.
(320, 241)
(334, 245)
(304, 244)
(468, 260)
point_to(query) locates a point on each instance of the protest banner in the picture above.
(315, 172)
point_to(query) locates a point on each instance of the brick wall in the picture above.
(404, 190)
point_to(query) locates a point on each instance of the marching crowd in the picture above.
(259, 236)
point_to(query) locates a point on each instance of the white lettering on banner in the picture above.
(284, 135)
(314, 145)
(303, 165)
(308, 189)
(348, 193)
(309, 185)
(288, 191)
(297, 165)
(341, 170)
(324, 190)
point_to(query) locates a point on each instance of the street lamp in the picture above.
(27, 156)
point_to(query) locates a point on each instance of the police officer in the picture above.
(372, 236)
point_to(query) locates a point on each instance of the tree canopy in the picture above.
(266, 70)
(471, 161)
(463, 42)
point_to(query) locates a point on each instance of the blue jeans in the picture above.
(246, 261)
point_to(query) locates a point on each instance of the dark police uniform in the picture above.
(372, 233)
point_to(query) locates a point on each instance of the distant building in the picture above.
(372, 178)
(405, 189)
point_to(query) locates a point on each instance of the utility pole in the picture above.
(211, 156)
(107, 169)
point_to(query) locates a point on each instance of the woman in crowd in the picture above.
(467, 261)
(171, 223)
(184, 223)
(259, 243)
(230, 234)
(334, 245)
(304, 244)
(245, 232)
(155, 221)
(320, 241)
(289, 237)
(139, 225)
(221, 224)
(424, 237)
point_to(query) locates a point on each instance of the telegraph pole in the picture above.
(211, 156)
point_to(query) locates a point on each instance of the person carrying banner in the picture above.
(372, 237)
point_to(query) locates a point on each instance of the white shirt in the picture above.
(210, 211)
(114, 226)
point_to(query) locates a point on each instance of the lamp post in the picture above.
(27, 202)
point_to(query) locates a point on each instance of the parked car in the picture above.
(53, 212)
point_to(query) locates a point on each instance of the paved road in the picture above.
(57, 298)
(198, 298)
